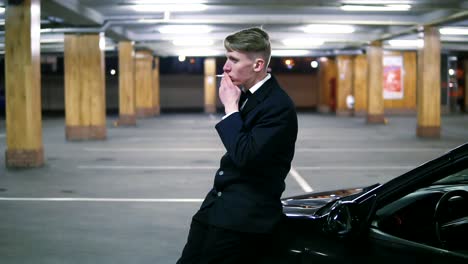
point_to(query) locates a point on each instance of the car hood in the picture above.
(309, 203)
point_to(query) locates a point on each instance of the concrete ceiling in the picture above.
(282, 19)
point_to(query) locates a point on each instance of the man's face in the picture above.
(240, 68)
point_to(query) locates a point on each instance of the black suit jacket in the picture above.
(260, 142)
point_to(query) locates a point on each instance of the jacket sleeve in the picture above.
(273, 129)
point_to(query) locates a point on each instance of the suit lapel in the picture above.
(259, 95)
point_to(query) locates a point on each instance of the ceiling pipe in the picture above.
(418, 28)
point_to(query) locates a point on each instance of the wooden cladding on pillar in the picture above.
(375, 104)
(23, 85)
(126, 79)
(210, 85)
(327, 85)
(429, 88)
(157, 88)
(85, 85)
(144, 83)
(360, 84)
(345, 82)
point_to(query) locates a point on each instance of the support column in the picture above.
(127, 113)
(360, 85)
(375, 103)
(23, 85)
(327, 83)
(210, 85)
(144, 83)
(156, 87)
(85, 105)
(345, 84)
(429, 88)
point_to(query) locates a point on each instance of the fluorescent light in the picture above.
(185, 29)
(376, 7)
(51, 40)
(454, 31)
(280, 53)
(2, 10)
(331, 29)
(406, 43)
(302, 42)
(169, 7)
(193, 42)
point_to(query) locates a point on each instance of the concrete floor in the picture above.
(130, 199)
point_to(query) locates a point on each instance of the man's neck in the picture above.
(257, 79)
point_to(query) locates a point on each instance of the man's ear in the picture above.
(259, 64)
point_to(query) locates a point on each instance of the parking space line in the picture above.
(97, 167)
(310, 150)
(357, 168)
(153, 149)
(304, 185)
(111, 200)
(398, 150)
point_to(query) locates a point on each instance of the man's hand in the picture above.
(229, 94)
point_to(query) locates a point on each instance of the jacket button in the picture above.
(220, 193)
(221, 173)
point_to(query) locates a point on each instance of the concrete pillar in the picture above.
(210, 85)
(327, 83)
(23, 85)
(127, 110)
(156, 87)
(144, 83)
(429, 88)
(345, 84)
(375, 103)
(360, 85)
(85, 100)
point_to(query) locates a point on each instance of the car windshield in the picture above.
(460, 177)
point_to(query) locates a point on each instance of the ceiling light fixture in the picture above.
(282, 53)
(406, 43)
(454, 31)
(329, 29)
(302, 42)
(169, 7)
(375, 7)
(185, 29)
(2, 10)
(193, 42)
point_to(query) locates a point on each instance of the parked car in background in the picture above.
(419, 217)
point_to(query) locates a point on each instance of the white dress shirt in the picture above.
(252, 89)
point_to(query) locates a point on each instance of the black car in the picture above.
(419, 217)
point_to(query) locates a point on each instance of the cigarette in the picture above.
(219, 75)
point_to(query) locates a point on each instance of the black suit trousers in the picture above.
(207, 244)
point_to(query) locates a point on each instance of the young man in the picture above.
(235, 222)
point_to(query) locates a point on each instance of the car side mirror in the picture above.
(340, 219)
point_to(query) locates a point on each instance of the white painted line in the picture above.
(358, 168)
(85, 167)
(178, 139)
(2, 135)
(304, 185)
(399, 150)
(310, 150)
(153, 149)
(116, 200)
